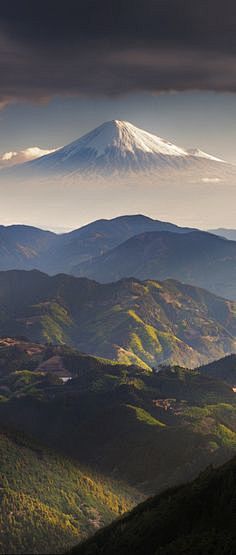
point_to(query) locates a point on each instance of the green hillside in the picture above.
(145, 323)
(47, 501)
(195, 519)
(146, 428)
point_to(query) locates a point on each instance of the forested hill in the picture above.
(195, 519)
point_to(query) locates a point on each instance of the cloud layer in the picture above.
(99, 47)
(18, 157)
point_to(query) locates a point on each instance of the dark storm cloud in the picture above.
(101, 47)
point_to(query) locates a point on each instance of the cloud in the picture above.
(211, 179)
(17, 157)
(99, 47)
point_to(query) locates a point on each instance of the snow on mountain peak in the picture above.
(126, 138)
(201, 154)
(118, 147)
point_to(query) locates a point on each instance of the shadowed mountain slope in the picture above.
(196, 518)
(26, 247)
(198, 258)
(223, 369)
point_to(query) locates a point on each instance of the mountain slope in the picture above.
(97, 238)
(196, 518)
(227, 233)
(147, 323)
(48, 500)
(198, 258)
(223, 369)
(118, 146)
(21, 246)
(26, 247)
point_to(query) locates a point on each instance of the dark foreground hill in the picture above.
(146, 323)
(199, 258)
(195, 519)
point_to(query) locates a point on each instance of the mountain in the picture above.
(96, 238)
(146, 323)
(223, 369)
(26, 247)
(21, 246)
(114, 166)
(147, 429)
(227, 233)
(119, 147)
(199, 258)
(132, 245)
(48, 501)
(196, 518)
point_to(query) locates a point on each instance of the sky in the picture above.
(168, 66)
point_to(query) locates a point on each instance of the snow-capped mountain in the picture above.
(115, 168)
(119, 147)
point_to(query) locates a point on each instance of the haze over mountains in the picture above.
(126, 246)
(227, 233)
(26, 247)
(197, 257)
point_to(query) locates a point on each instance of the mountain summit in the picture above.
(125, 137)
(117, 147)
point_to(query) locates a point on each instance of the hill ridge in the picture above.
(144, 322)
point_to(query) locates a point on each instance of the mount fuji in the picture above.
(118, 147)
(115, 168)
